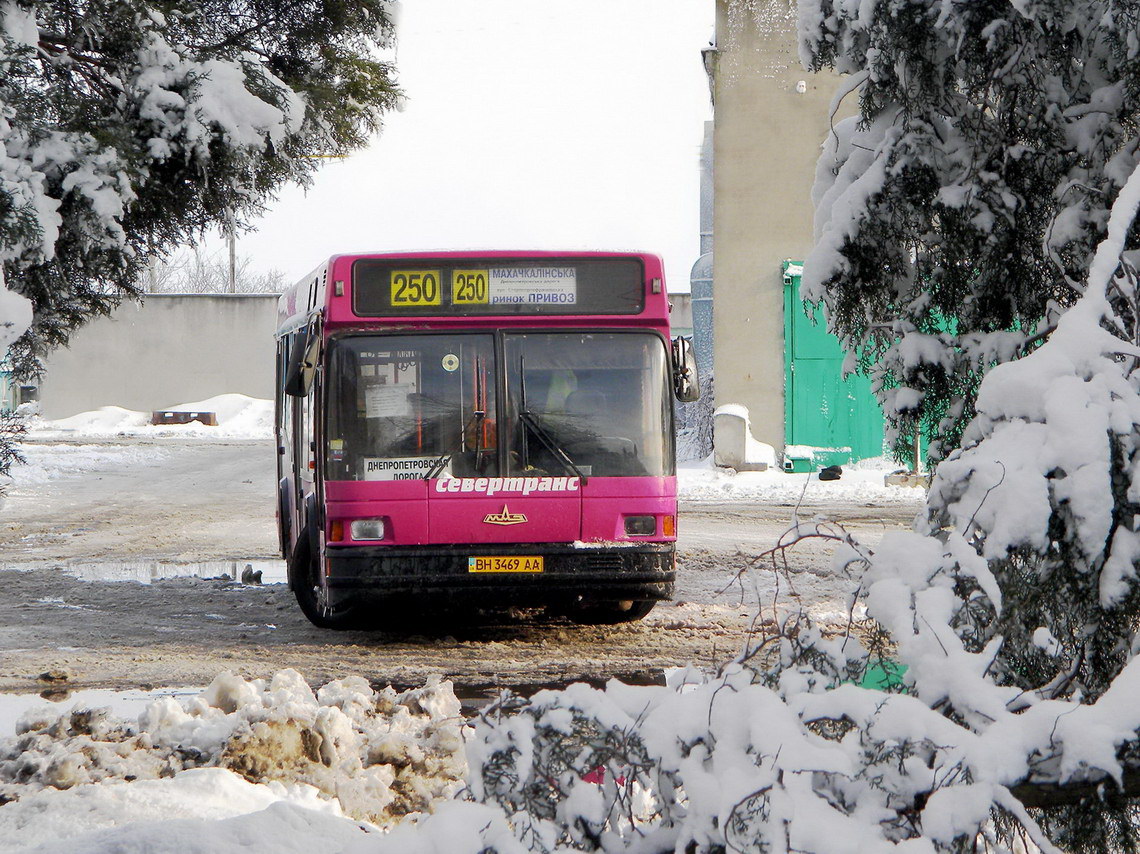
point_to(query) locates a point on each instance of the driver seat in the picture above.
(586, 402)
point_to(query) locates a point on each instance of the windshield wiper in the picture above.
(539, 429)
(549, 442)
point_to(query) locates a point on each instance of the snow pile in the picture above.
(458, 827)
(379, 754)
(238, 416)
(208, 810)
(105, 421)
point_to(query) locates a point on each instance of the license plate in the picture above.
(505, 563)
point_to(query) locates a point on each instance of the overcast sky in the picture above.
(550, 124)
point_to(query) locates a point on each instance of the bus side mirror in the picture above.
(302, 363)
(686, 386)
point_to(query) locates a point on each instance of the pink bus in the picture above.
(479, 429)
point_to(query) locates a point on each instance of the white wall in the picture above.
(170, 349)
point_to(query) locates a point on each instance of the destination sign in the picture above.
(383, 287)
(397, 468)
(533, 285)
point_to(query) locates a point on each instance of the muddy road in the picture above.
(90, 540)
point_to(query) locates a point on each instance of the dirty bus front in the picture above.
(481, 429)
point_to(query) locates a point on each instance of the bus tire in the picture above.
(310, 596)
(610, 613)
(284, 531)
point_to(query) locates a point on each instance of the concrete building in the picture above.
(701, 276)
(770, 117)
(169, 349)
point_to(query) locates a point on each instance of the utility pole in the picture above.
(231, 239)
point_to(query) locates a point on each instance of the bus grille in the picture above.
(604, 563)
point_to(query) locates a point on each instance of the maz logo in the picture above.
(504, 517)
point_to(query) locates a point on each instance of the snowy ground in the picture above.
(258, 761)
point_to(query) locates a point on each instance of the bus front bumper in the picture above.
(646, 571)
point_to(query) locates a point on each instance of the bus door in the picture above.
(536, 494)
(484, 490)
(291, 438)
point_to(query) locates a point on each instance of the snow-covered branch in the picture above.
(965, 202)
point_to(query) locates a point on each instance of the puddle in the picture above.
(146, 571)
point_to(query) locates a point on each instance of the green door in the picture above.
(837, 417)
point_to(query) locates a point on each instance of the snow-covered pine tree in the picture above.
(15, 318)
(128, 127)
(958, 212)
(993, 140)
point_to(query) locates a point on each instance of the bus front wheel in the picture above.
(311, 596)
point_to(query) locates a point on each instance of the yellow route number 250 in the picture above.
(415, 287)
(469, 287)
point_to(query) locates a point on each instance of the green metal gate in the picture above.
(838, 418)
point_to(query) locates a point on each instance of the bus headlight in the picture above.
(640, 526)
(367, 529)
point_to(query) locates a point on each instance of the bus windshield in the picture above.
(588, 403)
(402, 407)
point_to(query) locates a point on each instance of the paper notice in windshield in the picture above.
(397, 468)
(533, 285)
(386, 401)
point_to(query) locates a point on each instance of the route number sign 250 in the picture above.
(469, 287)
(415, 287)
(423, 287)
